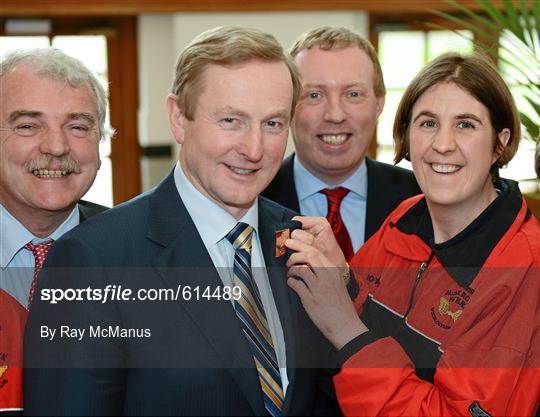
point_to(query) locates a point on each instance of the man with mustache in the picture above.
(343, 94)
(52, 116)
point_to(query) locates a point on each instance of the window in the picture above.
(402, 54)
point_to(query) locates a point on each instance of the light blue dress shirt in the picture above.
(213, 223)
(353, 206)
(16, 262)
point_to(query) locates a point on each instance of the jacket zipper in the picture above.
(419, 274)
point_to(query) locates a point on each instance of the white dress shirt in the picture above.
(16, 262)
(213, 223)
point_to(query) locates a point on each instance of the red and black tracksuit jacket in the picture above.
(454, 328)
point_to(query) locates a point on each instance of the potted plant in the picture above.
(519, 55)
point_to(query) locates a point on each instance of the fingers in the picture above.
(303, 272)
(307, 255)
(313, 225)
(303, 236)
(298, 245)
(300, 288)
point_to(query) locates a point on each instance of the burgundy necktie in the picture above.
(40, 252)
(335, 196)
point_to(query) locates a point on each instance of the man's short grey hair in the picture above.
(53, 63)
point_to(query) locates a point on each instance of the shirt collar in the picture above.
(212, 221)
(14, 235)
(308, 184)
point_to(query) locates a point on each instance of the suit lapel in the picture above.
(377, 199)
(270, 220)
(185, 261)
(291, 199)
(87, 210)
(282, 189)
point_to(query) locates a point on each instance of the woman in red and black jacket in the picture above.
(447, 316)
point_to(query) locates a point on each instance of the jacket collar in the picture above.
(464, 255)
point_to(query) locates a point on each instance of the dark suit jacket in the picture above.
(388, 186)
(197, 360)
(88, 209)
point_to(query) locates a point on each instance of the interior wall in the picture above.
(163, 36)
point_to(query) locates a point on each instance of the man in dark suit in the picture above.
(343, 94)
(233, 340)
(52, 116)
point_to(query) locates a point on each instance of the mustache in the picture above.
(61, 164)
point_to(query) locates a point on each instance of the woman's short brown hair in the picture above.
(477, 75)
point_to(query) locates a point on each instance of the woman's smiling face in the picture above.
(452, 148)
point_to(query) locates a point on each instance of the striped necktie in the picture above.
(250, 311)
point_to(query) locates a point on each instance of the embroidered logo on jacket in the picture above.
(444, 308)
(450, 308)
(3, 370)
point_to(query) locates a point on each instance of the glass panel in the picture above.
(8, 43)
(92, 51)
(522, 166)
(101, 190)
(402, 55)
(386, 119)
(441, 41)
(386, 154)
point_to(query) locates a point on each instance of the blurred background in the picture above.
(133, 44)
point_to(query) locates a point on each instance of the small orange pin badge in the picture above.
(283, 232)
(281, 237)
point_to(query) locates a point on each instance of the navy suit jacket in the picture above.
(88, 209)
(197, 360)
(388, 186)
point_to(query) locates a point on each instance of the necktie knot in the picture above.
(335, 196)
(40, 252)
(241, 236)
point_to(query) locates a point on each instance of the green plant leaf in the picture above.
(475, 16)
(500, 19)
(533, 130)
(473, 28)
(536, 13)
(535, 104)
(514, 20)
(527, 17)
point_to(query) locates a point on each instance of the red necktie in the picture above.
(335, 196)
(40, 252)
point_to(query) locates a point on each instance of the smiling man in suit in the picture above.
(52, 115)
(202, 233)
(343, 94)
